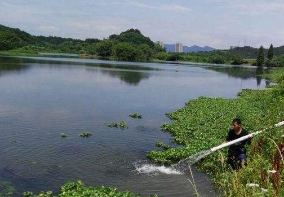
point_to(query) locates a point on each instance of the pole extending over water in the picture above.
(244, 138)
(183, 164)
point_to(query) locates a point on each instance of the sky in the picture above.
(216, 23)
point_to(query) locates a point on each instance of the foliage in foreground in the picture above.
(6, 189)
(79, 189)
(203, 123)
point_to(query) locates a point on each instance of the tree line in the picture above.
(132, 45)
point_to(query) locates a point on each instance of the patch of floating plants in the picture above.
(121, 125)
(63, 135)
(85, 134)
(136, 116)
(162, 145)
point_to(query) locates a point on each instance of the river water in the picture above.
(42, 97)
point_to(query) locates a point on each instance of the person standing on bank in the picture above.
(237, 152)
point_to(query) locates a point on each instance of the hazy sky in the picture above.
(217, 23)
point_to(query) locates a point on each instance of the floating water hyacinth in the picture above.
(136, 116)
(122, 125)
(85, 134)
(63, 135)
(252, 185)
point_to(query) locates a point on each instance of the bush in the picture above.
(174, 57)
(237, 60)
(271, 63)
(161, 56)
(217, 60)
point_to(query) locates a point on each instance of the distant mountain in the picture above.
(186, 49)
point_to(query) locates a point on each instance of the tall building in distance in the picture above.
(179, 47)
(161, 44)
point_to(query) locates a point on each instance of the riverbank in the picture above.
(203, 123)
(88, 56)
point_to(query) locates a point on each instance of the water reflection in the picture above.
(129, 77)
(244, 73)
(12, 68)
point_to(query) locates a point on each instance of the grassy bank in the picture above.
(19, 52)
(204, 123)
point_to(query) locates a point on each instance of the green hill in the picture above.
(11, 38)
(133, 36)
(130, 45)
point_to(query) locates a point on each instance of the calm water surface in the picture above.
(42, 97)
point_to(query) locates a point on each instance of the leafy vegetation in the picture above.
(79, 189)
(86, 134)
(162, 145)
(203, 123)
(122, 125)
(6, 189)
(135, 115)
(238, 60)
(63, 135)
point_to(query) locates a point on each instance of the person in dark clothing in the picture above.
(237, 152)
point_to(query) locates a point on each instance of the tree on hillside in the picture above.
(133, 36)
(104, 48)
(270, 52)
(125, 51)
(145, 52)
(260, 57)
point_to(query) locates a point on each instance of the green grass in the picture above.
(203, 123)
(19, 52)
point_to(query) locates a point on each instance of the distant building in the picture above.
(161, 44)
(179, 47)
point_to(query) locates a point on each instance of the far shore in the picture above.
(89, 56)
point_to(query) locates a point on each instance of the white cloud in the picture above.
(47, 28)
(253, 7)
(170, 7)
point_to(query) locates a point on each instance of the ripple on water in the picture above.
(152, 169)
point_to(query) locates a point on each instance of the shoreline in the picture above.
(87, 56)
(203, 123)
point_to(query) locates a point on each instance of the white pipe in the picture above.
(243, 138)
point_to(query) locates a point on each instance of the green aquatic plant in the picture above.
(112, 124)
(162, 145)
(85, 134)
(135, 115)
(63, 135)
(79, 189)
(6, 189)
(165, 127)
(121, 125)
